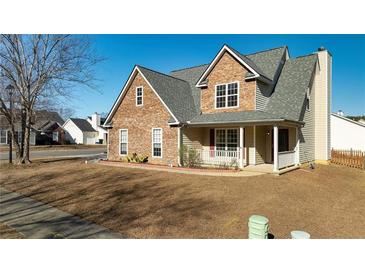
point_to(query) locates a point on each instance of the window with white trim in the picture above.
(226, 95)
(123, 141)
(3, 136)
(157, 142)
(139, 96)
(55, 136)
(226, 139)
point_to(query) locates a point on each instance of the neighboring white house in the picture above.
(96, 121)
(346, 133)
(80, 131)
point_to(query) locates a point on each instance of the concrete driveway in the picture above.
(67, 153)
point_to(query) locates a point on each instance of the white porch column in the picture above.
(179, 131)
(242, 149)
(297, 161)
(276, 149)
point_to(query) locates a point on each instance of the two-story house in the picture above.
(259, 108)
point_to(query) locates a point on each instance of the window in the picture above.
(157, 142)
(139, 96)
(123, 140)
(226, 139)
(18, 136)
(55, 136)
(226, 95)
(3, 136)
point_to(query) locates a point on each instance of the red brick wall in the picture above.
(139, 120)
(228, 70)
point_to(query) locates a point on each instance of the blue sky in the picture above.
(169, 52)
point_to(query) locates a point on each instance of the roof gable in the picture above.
(247, 63)
(174, 94)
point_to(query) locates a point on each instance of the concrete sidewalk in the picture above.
(36, 220)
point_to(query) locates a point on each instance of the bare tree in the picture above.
(39, 67)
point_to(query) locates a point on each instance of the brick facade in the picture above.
(228, 70)
(139, 120)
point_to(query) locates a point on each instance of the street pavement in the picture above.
(37, 220)
(67, 153)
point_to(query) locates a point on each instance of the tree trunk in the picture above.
(25, 141)
(15, 143)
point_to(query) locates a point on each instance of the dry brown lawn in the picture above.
(7, 232)
(328, 202)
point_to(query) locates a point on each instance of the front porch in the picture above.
(263, 148)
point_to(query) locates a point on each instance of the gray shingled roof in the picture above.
(179, 93)
(40, 119)
(268, 60)
(82, 124)
(290, 92)
(236, 117)
(192, 75)
(174, 92)
(252, 64)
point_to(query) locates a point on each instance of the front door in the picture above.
(283, 141)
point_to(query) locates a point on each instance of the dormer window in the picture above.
(139, 96)
(226, 95)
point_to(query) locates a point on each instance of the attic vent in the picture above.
(321, 49)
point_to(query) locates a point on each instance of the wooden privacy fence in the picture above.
(351, 158)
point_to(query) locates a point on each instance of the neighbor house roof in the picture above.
(236, 117)
(82, 124)
(348, 119)
(291, 89)
(40, 119)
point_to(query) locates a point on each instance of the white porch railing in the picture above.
(286, 158)
(220, 157)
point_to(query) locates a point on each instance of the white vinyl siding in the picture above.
(157, 142)
(262, 95)
(123, 142)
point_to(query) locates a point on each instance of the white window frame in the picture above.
(6, 137)
(120, 141)
(55, 133)
(226, 135)
(156, 128)
(226, 96)
(137, 96)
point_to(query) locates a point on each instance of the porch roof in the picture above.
(254, 116)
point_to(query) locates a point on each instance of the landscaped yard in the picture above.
(328, 202)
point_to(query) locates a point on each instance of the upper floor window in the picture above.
(226, 95)
(139, 96)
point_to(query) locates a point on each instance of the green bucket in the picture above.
(258, 227)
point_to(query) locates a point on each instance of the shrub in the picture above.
(134, 158)
(190, 157)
